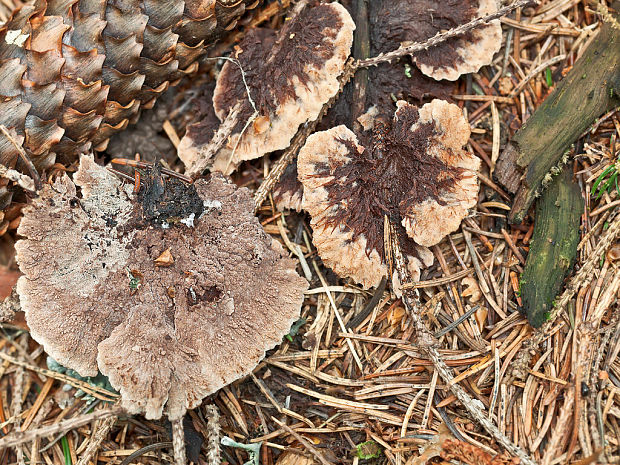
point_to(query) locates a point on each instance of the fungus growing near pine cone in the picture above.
(412, 169)
(73, 72)
(290, 74)
(170, 304)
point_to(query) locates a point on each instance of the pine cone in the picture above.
(74, 72)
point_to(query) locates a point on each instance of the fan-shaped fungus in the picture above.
(97, 297)
(290, 75)
(412, 169)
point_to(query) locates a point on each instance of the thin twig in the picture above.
(456, 322)
(101, 432)
(22, 437)
(343, 328)
(207, 153)
(303, 441)
(243, 77)
(145, 450)
(250, 119)
(148, 165)
(178, 441)
(95, 391)
(412, 48)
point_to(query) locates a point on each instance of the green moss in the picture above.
(553, 248)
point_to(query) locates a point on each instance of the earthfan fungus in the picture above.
(406, 21)
(290, 74)
(172, 296)
(412, 169)
(288, 191)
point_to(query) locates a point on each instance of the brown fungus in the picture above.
(412, 169)
(166, 336)
(290, 74)
(200, 131)
(288, 191)
(406, 21)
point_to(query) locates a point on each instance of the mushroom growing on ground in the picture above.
(172, 296)
(290, 74)
(412, 169)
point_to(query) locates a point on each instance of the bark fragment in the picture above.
(591, 88)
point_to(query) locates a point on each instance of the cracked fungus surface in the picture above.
(412, 169)
(166, 336)
(418, 20)
(290, 73)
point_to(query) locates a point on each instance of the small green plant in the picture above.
(368, 450)
(99, 381)
(606, 180)
(549, 77)
(295, 329)
(253, 450)
(66, 451)
(407, 70)
(135, 280)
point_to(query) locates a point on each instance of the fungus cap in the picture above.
(288, 191)
(431, 220)
(406, 21)
(411, 168)
(290, 75)
(166, 336)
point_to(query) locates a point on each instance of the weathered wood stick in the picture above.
(591, 88)
(553, 248)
